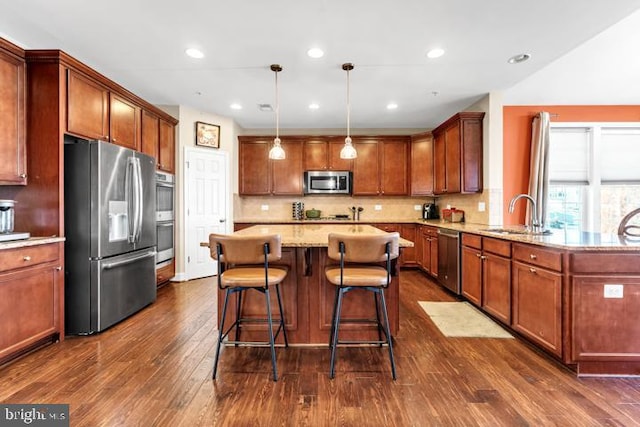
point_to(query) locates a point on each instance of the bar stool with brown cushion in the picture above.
(365, 264)
(243, 264)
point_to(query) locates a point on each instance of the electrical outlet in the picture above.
(264, 207)
(613, 291)
(417, 207)
(377, 207)
(481, 207)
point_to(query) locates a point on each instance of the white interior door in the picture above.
(206, 211)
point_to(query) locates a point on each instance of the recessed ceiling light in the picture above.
(516, 59)
(392, 106)
(313, 106)
(235, 106)
(315, 52)
(194, 53)
(435, 53)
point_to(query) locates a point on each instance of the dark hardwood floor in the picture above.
(154, 369)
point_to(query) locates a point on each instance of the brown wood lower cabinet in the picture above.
(31, 298)
(165, 273)
(427, 249)
(308, 301)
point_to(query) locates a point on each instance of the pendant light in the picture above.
(348, 151)
(276, 152)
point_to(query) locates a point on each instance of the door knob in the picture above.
(223, 220)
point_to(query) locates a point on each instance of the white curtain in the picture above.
(539, 166)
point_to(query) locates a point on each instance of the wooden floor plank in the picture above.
(154, 369)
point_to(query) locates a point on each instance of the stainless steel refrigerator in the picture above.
(110, 230)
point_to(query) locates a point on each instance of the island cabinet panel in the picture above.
(295, 301)
(421, 165)
(254, 180)
(605, 328)
(287, 173)
(87, 107)
(13, 168)
(124, 122)
(366, 168)
(537, 305)
(31, 298)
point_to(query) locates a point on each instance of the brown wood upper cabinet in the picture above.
(258, 175)
(381, 167)
(457, 154)
(422, 164)
(96, 113)
(324, 154)
(158, 140)
(13, 168)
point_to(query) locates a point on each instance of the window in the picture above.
(594, 174)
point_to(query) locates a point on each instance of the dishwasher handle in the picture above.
(449, 233)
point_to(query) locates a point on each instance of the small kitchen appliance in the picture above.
(6, 216)
(429, 211)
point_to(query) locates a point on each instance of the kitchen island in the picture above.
(307, 296)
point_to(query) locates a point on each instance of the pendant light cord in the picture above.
(348, 67)
(276, 69)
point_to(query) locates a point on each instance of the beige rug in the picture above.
(461, 319)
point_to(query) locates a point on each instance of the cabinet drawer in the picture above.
(471, 240)
(538, 256)
(27, 256)
(605, 262)
(497, 246)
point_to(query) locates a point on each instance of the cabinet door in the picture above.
(29, 308)
(472, 275)
(13, 167)
(537, 305)
(471, 155)
(439, 164)
(426, 251)
(496, 290)
(408, 257)
(316, 155)
(366, 169)
(421, 182)
(124, 122)
(434, 255)
(150, 134)
(452, 163)
(335, 162)
(254, 177)
(393, 165)
(287, 173)
(166, 147)
(87, 107)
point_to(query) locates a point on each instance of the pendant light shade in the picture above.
(276, 152)
(348, 151)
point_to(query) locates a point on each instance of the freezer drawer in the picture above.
(117, 288)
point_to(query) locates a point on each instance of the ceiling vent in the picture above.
(265, 107)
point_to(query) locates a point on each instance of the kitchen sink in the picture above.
(511, 231)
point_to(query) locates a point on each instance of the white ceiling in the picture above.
(140, 45)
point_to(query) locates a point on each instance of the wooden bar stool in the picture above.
(243, 264)
(360, 267)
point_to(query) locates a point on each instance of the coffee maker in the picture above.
(429, 211)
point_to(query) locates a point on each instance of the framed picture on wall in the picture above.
(207, 135)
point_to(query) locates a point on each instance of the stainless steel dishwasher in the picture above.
(449, 259)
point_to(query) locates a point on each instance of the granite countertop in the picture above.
(32, 241)
(313, 235)
(562, 239)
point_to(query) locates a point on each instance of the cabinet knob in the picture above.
(58, 268)
(23, 175)
(479, 256)
(26, 258)
(483, 257)
(113, 140)
(532, 256)
(533, 270)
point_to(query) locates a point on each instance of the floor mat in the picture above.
(461, 319)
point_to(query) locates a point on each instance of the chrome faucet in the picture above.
(535, 225)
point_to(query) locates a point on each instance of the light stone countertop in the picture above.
(32, 241)
(569, 239)
(312, 235)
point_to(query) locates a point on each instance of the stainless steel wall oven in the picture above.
(165, 199)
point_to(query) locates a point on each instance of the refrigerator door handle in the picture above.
(129, 182)
(110, 265)
(140, 199)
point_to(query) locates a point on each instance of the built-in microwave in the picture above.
(327, 182)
